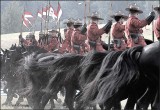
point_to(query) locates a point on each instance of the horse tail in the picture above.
(91, 89)
(122, 75)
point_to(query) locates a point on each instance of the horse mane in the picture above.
(90, 90)
(31, 63)
(124, 72)
(89, 66)
(31, 49)
(39, 62)
(63, 69)
(67, 63)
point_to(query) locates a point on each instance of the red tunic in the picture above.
(53, 44)
(77, 39)
(134, 25)
(28, 42)
(157, 28)
(66, 46)
(94, 34)
(118, 33)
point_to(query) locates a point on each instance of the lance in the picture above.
(22, 20)
(152, 27)
(85, 11)
(109, 37)
(41, 18)
(35, 22)
(59, 35)
(48, 14)
(45, 21)
(89, 10)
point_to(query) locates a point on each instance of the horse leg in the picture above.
(30, 101)
(9, 97)
(130, 103)
(52, 103)
(63, 94)
(5, 91)
(94, 107)
(156, 103)
(36, 101)
(113, 104)
(108, 105)
(20, 99)
(45, 99)
(69, 98)
(145, 100)
(101, 106)
(117, 106)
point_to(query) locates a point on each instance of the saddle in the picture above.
(135, 37)
(117, 42)
(92, 44)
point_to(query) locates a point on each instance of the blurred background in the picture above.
(11, 11)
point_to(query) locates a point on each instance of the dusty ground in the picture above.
(24, 103)
(58, 105)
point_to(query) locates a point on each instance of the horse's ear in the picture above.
(2, 50)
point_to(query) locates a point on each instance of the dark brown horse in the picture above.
(124, 75)
(36, 67)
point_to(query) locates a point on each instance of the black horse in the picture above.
(10, 74)
(118, 82)
(84, 69)
(84, 73)
(36, 67)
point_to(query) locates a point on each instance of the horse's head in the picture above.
(15, 53)
(12, 47)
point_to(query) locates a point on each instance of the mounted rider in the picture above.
(134, 26)
(33, 41)
(41, 41)
(118, 34)
(22, 41)
(78, 38)
(30, 39)
(52, 41)
(94, 33)
(157, 23)
(66, 45)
